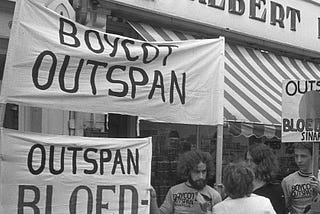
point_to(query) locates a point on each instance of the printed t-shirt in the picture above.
(183, 199)
(298, 192)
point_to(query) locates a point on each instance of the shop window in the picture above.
(95, 132)
(122, 125)
(234, 148)
(169, 141)
(111, 125)
(11, 116)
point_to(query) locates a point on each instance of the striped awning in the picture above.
(257, 130)
(253, 78)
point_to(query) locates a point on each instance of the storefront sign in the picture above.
(291, 22)
(300, 111)
(66, 174)
(57, 63)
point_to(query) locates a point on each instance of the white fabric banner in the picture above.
(66, 174)
(301, 111)
(57, 63)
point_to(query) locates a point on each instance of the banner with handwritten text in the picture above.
(78, 175)
(55, 62)
(301, 111)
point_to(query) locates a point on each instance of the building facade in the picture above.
(266, 42)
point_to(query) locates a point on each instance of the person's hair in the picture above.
(266, 161)
(304, 145)
(189, 161)
(238, 180)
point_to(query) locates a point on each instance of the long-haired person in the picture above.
(193, 196)
(238, 184)
(264, 164)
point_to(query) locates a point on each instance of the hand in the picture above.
(221, 189)
(315, 184)
(153, 193)
(154, 209)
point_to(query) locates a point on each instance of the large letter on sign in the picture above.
(174, 82)
(134, 83)
(31, 204)
(36, 67)
(99, 197)
(71, 35)
(74, 197)
(134, 192)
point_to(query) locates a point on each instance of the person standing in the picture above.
(238, 184)
(301, 187)
(193, 196)
(264, 164)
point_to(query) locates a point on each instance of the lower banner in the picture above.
(56, 174)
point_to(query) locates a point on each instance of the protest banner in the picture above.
(53, 174)
(300, 111)
(57, 63)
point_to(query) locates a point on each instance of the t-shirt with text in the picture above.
(298, 192)
(183, 199)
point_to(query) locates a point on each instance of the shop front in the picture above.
(266, 42)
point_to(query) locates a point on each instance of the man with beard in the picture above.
(193, 196)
